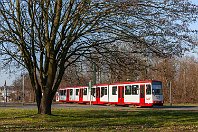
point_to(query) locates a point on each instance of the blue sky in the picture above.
(12, 76)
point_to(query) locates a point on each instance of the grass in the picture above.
(181, 104)
(98, 120)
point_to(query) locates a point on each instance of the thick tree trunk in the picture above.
(44, 102)
(44, 106)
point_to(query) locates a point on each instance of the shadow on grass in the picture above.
(139, 119)
(93, 120)
(19, 117)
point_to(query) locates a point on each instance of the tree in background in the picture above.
(46, 37)
(76, 76)
(187, 80)
(29, 95)
(182, 72)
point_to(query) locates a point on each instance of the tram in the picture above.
(139, 93)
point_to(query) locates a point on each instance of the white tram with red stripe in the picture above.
(139, 93)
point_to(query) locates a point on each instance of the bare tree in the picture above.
(76, 75)
(46, 37)
(29, 95)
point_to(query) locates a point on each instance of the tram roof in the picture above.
(134, 82)
(116, 83)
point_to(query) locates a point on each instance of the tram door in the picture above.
(120, 94)
(81, 95)
(98, 95)
(142, 94)
(67, 95)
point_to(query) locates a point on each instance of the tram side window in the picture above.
(77, 91)
(71, 92)
(135, 89)
(85, 91)
(128, 90)
(102, 91)
(148, 89)
(114, 90)
(105, 91)
(93, 91)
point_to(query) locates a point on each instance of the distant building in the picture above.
(8, 90)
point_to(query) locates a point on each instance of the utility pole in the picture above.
(5, 94)
(90, 86)
(94, 73)
(23, 89)
(170, 89)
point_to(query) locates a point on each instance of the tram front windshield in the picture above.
(157, 89)
(62, 92)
